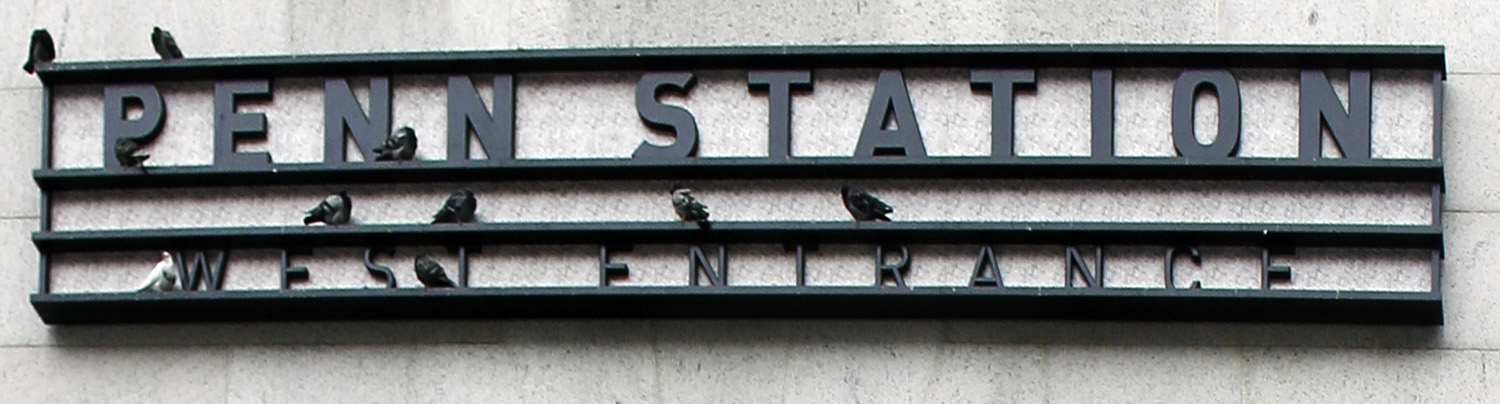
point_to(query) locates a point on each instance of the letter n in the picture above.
(1320, 107)
(698, 266)
(1076, 265)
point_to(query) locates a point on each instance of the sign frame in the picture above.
(718, 300)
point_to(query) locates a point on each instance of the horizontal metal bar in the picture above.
(746, 302)
(1430, 171)
(1428, 57)
(626, 233)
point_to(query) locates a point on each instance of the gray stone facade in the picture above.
(765, 361)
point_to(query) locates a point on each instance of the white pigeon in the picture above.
(163, 277)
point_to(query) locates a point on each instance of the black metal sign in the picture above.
(882, 151)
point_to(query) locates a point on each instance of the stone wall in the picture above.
(811, 361)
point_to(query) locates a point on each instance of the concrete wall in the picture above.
(759, 361)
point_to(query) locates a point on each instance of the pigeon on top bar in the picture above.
(165, 45)
(431, 273)
(163, 277)
(459, 208)
(688, 208)
(41, 51)
(125, 152)
(400, 145)
(863, 206)
(334, 210)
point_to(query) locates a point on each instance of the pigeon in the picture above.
(400, 145)
(125, 149)
(431, 274)
(163, 277)
(41, 50)
(165, 45)
(459, 208)
(332, 211)
(688, 208)
(863, 206)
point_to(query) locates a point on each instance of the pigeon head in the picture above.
(343, 194)
(41, 35)
(166, 255)
(467, 193)
(43, 40)
(677, 187)
(844, 190)
(405, 132)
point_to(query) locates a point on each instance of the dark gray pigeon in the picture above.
(688, 208)
(165, 45)
(42, 50)
(333, 210)
(459, 208)
(400, 145)
(863, 206)
(125, 152)
(431, 274)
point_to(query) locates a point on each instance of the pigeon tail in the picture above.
(881, 218)
(703, 224)
(134, 160)
(145, 286)
(311, 218)
(29, 66)
(443, 282)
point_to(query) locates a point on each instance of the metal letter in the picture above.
(116, 125)
(986, 261)
(890, 100)
(608, 269)
(380, 271)
(801, 250)
(495, 128)
(231, 127)
(1227, 143)
(1169, 268)
(897, 271)
(1074, 264)
(699, 265)
(1102, 112)
(779, 85)
(199, 273)
(1002, 85)
(463, 267)
(342, 115)
(1270, 272)
(665, 117)
(1320, 106)
(289, 272)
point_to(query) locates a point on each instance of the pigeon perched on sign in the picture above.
(165, 45)
(333, 210)
(125, 153)
(431, 274)
(163, 277)
(400, 145)
(41, 51)
(688, 208)
(459, 208)
(863, 206)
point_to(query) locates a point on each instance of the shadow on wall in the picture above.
(753, 332)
